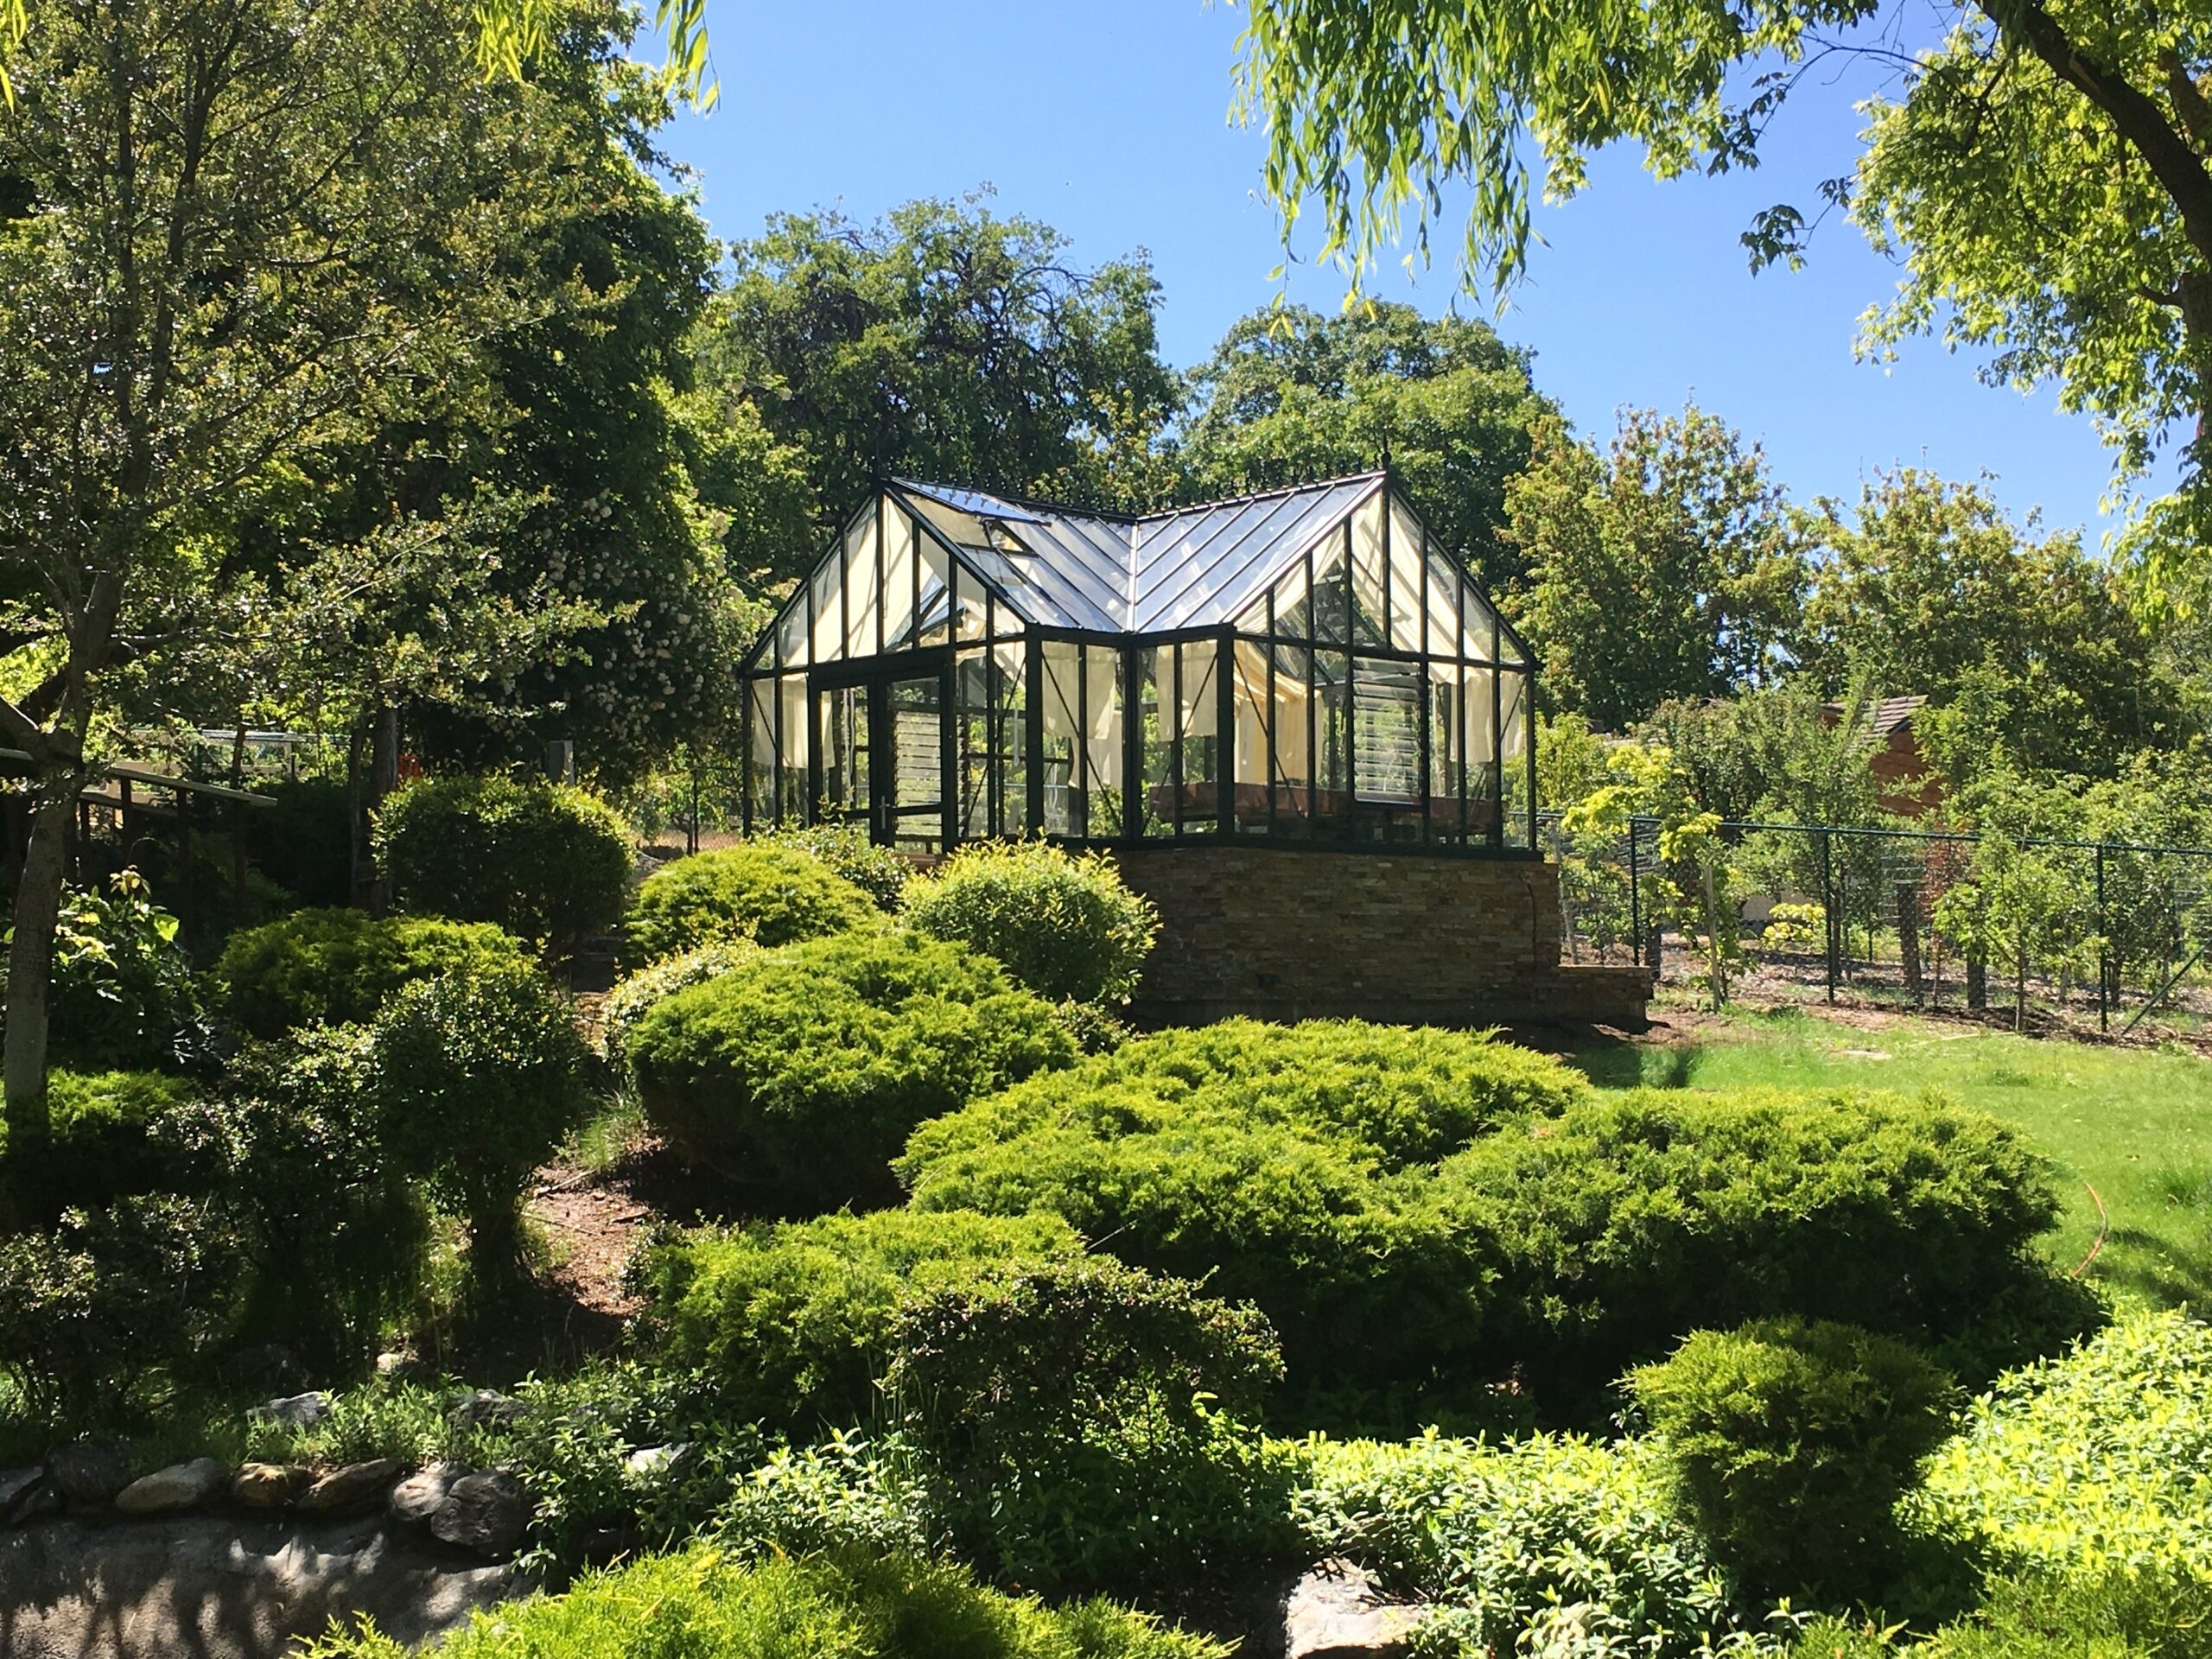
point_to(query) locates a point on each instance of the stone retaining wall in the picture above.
(1294, 934)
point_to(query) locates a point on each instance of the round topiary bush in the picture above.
(806, 1068)
(794, 1319)
(1062, 925)
(547, 862)
(337, 967)
(634, 997)
(479, 1074)
(1789, 1444)
(845, 847)
(769, 893)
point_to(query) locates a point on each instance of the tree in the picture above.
(1290, 396)
(1773, 752)
(239, 228)
(2044, 173)
(942, 342)
(1667, 568)
(2029, 641)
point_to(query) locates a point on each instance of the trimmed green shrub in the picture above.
(2111, 1615)
(1615, 1230)
(1544, 1545)
(107, 1128)
(1065, 925)
(1789, 1445)
(634, 998)
(479, 1074)
(547, 862)
(852, 1605)
(794, 1321)
(771, 894)
(1082, 1423)
(303, 838)
(846, 848)
(337, 967)
(1282, 1165)
(807, 1067)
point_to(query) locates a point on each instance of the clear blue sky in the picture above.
(1109, 119)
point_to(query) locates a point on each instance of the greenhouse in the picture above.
(1304, 666)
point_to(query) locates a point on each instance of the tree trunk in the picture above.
(30, 962)
(384, 778)
(1977, 980)
(1909, 939)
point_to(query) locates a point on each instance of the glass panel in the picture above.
(1479, 630)
(828, 616)
(790, 634)
(793, 785)
(1513, 756)
(1332, 742)
(1445, 732)
(1062, 667)
(897, 579)
(1386, 740)
(1199, 739)
(1156, 670)
(1409, 576)
(1445, 581)
(1295, 723)
(760, 752)
(1367, 619)
(863, 611)
(993, 782)
(842, 730)
(1255, 712)
(1102, 739)
(1292, 621)
(936, 600)
(972, 605)
(1479, 729)
(1332, 594)
(914, 810)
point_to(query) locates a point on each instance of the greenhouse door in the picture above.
(881, 750)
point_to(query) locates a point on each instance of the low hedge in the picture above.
(806, 1068)
(338, 967)
(794, 1320)
(769, 893)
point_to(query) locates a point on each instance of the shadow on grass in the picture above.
(2151, 1266)
(1621, 1062)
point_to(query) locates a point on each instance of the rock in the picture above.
(651, 1462)
(180, 1486)
(88, 1473)
(487, 1513)
(41, 1501)
(298, 1410)
(268, 1485)
(486, 1408)
(415, 1499)
(17, 1488)
(229, 1587)
(393, 1363)
(357, 1486)
(1334, 1612)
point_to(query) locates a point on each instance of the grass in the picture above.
(2134, 1123)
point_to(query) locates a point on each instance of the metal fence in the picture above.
(2082, 933)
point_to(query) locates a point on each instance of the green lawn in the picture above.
(2134, 1123)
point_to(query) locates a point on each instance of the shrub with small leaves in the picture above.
(479, 1074)
(635, 997)
(122, 992)
(1081, 1422)
(547, 862)
(805, 1069)
(1789, 1445)
(337, 967)
(764, 892)
(846, 848)
(1064, 925)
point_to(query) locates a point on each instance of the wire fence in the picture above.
(2099, 935)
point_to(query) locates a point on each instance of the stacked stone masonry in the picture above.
(1285, 934)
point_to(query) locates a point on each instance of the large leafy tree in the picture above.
(2044, 169)
(1927, 588)
(1667, 568)
(237, 231)
(1291, 395)
(942, 341)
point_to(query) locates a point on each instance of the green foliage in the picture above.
(846, 848)
(1668, 568)
(1789, 1445)
(636, 995)
(122, 992)
(548, 863)
(105, 1136)
(1065, 926)
(794, 1321)
(769, 893)
(2091, 1464)
(479, 1074)
(847, 1492)
(1630, 1222)
(1264, 1160)
(1291, 395)
(1079, 1421)
(2043, 1616)
(1543, 1541)
(808, 1066)
(338, 967)
(302, 840)
(1037, 377)
(853, 1606)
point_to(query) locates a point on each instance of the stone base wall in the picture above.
(1284, 934)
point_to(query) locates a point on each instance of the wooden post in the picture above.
(1909, 939)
